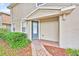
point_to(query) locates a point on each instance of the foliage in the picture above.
(72, 52)
(3, 31)
(17, 39)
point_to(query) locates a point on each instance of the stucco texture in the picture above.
(69, 30)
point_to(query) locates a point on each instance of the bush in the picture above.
(17, 39)
(72, 52)
(3, 31)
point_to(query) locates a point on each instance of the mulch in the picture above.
(55, 51)
(27, 51)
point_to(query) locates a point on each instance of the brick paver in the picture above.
(46, 48)
(38, 49)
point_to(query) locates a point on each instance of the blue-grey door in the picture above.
(34, 30)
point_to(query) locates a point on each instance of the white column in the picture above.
(60, 30)
(0, 22)
(30, 30)
(39, 30)
(11, 20)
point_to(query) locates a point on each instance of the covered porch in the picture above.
(46, 29)
(45, 24)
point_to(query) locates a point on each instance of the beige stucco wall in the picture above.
(49, 29)
(19, 12)
(69, 30)
(23, 9)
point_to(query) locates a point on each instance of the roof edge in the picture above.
(4, 13)
(12, 5)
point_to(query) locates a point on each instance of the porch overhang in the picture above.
(49, 13)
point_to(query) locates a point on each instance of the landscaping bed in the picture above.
(6, 50)
(55, 51)
(14, 43)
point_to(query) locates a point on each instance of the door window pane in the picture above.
(35, 28)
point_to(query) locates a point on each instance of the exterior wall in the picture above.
(19, 12)
(69, 30)
(49, 29)
(0, 21)
(28, 29)
(8, 26)
(6, 19)
(23, 9)
(16, 24)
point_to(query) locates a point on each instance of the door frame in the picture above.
(37, 29)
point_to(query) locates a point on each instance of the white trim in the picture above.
(39, 8)
(56, 8)
(60, 30)
(52, 8)
(68, 8)
(39, 29)
(21, 26)
(11, 27)
(11, 20)
(40, 4)
(31, 13)
(31, 30)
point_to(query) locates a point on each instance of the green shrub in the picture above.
(17, 39)
(72, 52)
(3, 31)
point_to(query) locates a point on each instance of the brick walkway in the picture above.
(38, 49)
(46, 48)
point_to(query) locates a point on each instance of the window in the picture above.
(39, 4)
(0, 21)
(23, 26)
(13, 27)
(23, 29)
(8, 27)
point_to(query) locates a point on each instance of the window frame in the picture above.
(13, 27)
(22, 26)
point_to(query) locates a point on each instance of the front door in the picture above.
(34, 30)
